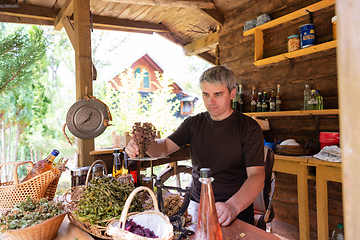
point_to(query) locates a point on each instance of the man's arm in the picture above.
(227, 211)
(160, 148)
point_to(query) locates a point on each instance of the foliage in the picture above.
(127, 106)
(20, 55)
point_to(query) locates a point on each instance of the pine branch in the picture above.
(18, 71)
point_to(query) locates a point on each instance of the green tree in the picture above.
(22, 53)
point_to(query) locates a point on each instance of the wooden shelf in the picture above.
(291, 16)
(298, 53)
(294, 113)
(259, 40)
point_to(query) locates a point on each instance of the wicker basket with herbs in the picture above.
(102, 199)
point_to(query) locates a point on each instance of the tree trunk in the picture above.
(3, 148)
(16, 141)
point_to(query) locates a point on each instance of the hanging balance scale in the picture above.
(87, 118)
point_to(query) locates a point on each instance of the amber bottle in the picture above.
(208, 226)
(42, 165)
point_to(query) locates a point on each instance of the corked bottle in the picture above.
(208, 226)
(42, 166)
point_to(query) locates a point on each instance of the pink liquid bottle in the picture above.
(208, 227)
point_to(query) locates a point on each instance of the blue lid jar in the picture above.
(292, 36)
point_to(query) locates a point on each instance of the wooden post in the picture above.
(83, 68)
(348, 59)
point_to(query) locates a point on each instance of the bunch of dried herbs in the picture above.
(103, 199)
(143, 135)
(29, 213)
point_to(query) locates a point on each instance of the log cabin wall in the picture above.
(319, 70)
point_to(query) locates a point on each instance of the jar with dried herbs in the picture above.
(293, 43)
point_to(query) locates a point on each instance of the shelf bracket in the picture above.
(259, 45)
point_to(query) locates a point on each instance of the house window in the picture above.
(145, 83)
(186, 107)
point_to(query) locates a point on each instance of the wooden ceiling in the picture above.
(193, 24)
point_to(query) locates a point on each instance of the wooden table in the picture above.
(325, 171)
(68, 231)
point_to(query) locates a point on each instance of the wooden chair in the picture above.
(263, 209)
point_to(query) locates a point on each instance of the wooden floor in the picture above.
(286, 231)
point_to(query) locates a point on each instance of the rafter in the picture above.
(204, 44)
(122, 24)
(205, 4)
(214, 14)
(66, 11)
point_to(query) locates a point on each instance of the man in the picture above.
(224, 140)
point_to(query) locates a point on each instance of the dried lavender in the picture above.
(143, 135)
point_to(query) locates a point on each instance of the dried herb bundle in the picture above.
(103, 199)
(29, 213)
(143, 135)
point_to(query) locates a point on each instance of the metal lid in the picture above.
(80, 171)
(98, 168)
(333, 19)
(292, 36)
(205, 172)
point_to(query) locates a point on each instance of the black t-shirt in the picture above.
(227, 147)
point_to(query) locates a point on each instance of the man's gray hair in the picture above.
(219, 75)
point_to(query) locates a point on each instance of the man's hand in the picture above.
(132, 149)
(226, 213)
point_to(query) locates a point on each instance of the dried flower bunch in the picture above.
(143, 135)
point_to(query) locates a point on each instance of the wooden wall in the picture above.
(318, 70)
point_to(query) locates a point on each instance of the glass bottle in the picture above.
(117, 164)
(253, 100)
(264, 104)
(241, 100)
(278, 99)
(272, 106)
(235, 100)
(338, 232)
(313, 100)
(307, 92)
(320, 101)
(42, 165)
(208, 226)
(258, 103)
(133, 168)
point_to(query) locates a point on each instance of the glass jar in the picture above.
(293, 43)
(78, 176)
(97, 170)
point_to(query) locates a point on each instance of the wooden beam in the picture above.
(208, 58)
(69, 27)
(348, 58)
(215, 15)
(30, 11)
(83, 69)
(205, 4)
(204, 44)
(66, 11)
(122, 24)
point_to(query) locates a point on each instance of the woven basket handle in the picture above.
(17, 164)
(129, 200)
(90, 170)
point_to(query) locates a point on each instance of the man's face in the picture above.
(217, 99)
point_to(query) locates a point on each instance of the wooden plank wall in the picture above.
(318, 70)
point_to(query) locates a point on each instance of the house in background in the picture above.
(148, 66)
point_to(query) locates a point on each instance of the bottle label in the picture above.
(278, 101)
(253, 102)
(272, 106)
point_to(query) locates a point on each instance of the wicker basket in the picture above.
(13, 192)
(72, 197)
(149, 219)
(45, 230)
